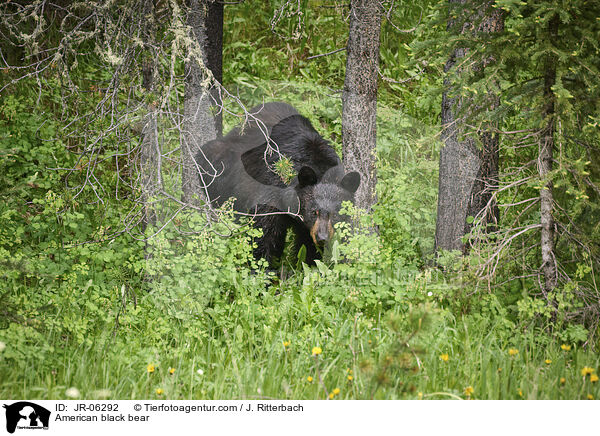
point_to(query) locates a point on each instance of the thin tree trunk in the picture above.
(199, 122)
(486, 182)
(545, 152)
(359, 98)
(149, 148)
(150, 154)
(468, 175)
(214, 48)
(459, 166)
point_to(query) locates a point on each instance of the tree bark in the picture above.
(359, 98)
(545, 152)
(150, 154)
(214, 54)
(199, 122)
(468, 175)
(149, 147)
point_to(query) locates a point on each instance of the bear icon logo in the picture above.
(24, 414)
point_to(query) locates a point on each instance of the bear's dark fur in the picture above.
(238, 165)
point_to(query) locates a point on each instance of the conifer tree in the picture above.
(359, 97)
(468, 159)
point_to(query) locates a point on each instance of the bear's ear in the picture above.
(306, 177)
(350, 182)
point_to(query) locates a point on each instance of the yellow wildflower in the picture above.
(350, 378)
(309, 379)
(316, 351)
(150, 367)
(520, 392)
(159, 391)
(336, 391)
(499, 370)
(286, 343)
(420, 395)
(469, 391)
(548, 361)
(171, 371)
(593, 378)
(331, 396)
(587, 371)
(563, 380)
(590, 397)
(444, 357)
(513, 351)
(565, 347)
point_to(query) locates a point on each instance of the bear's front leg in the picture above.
(303, 238)
(271, 244)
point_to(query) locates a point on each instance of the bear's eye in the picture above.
(316, 213)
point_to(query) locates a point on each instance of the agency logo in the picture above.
(26, 415)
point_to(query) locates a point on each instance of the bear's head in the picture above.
(321, 200)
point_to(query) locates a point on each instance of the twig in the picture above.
(326, 54)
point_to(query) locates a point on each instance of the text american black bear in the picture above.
(238, 165)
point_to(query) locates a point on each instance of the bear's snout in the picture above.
(321, 231)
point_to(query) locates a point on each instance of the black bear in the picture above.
(240, 165)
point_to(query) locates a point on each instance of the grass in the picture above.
(84, 329)
(253, 362)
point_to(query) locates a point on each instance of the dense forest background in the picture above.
(471, 269)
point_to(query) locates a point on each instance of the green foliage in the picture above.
(111, 315)
(516, 71)
(284, 168)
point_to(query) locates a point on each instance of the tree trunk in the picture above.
(359, 98)
(481, 203)
(468, 175)
(459, 166)
(545, 152)
(199, 122)
(149, 148)
(150, 154)
(214, 52)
